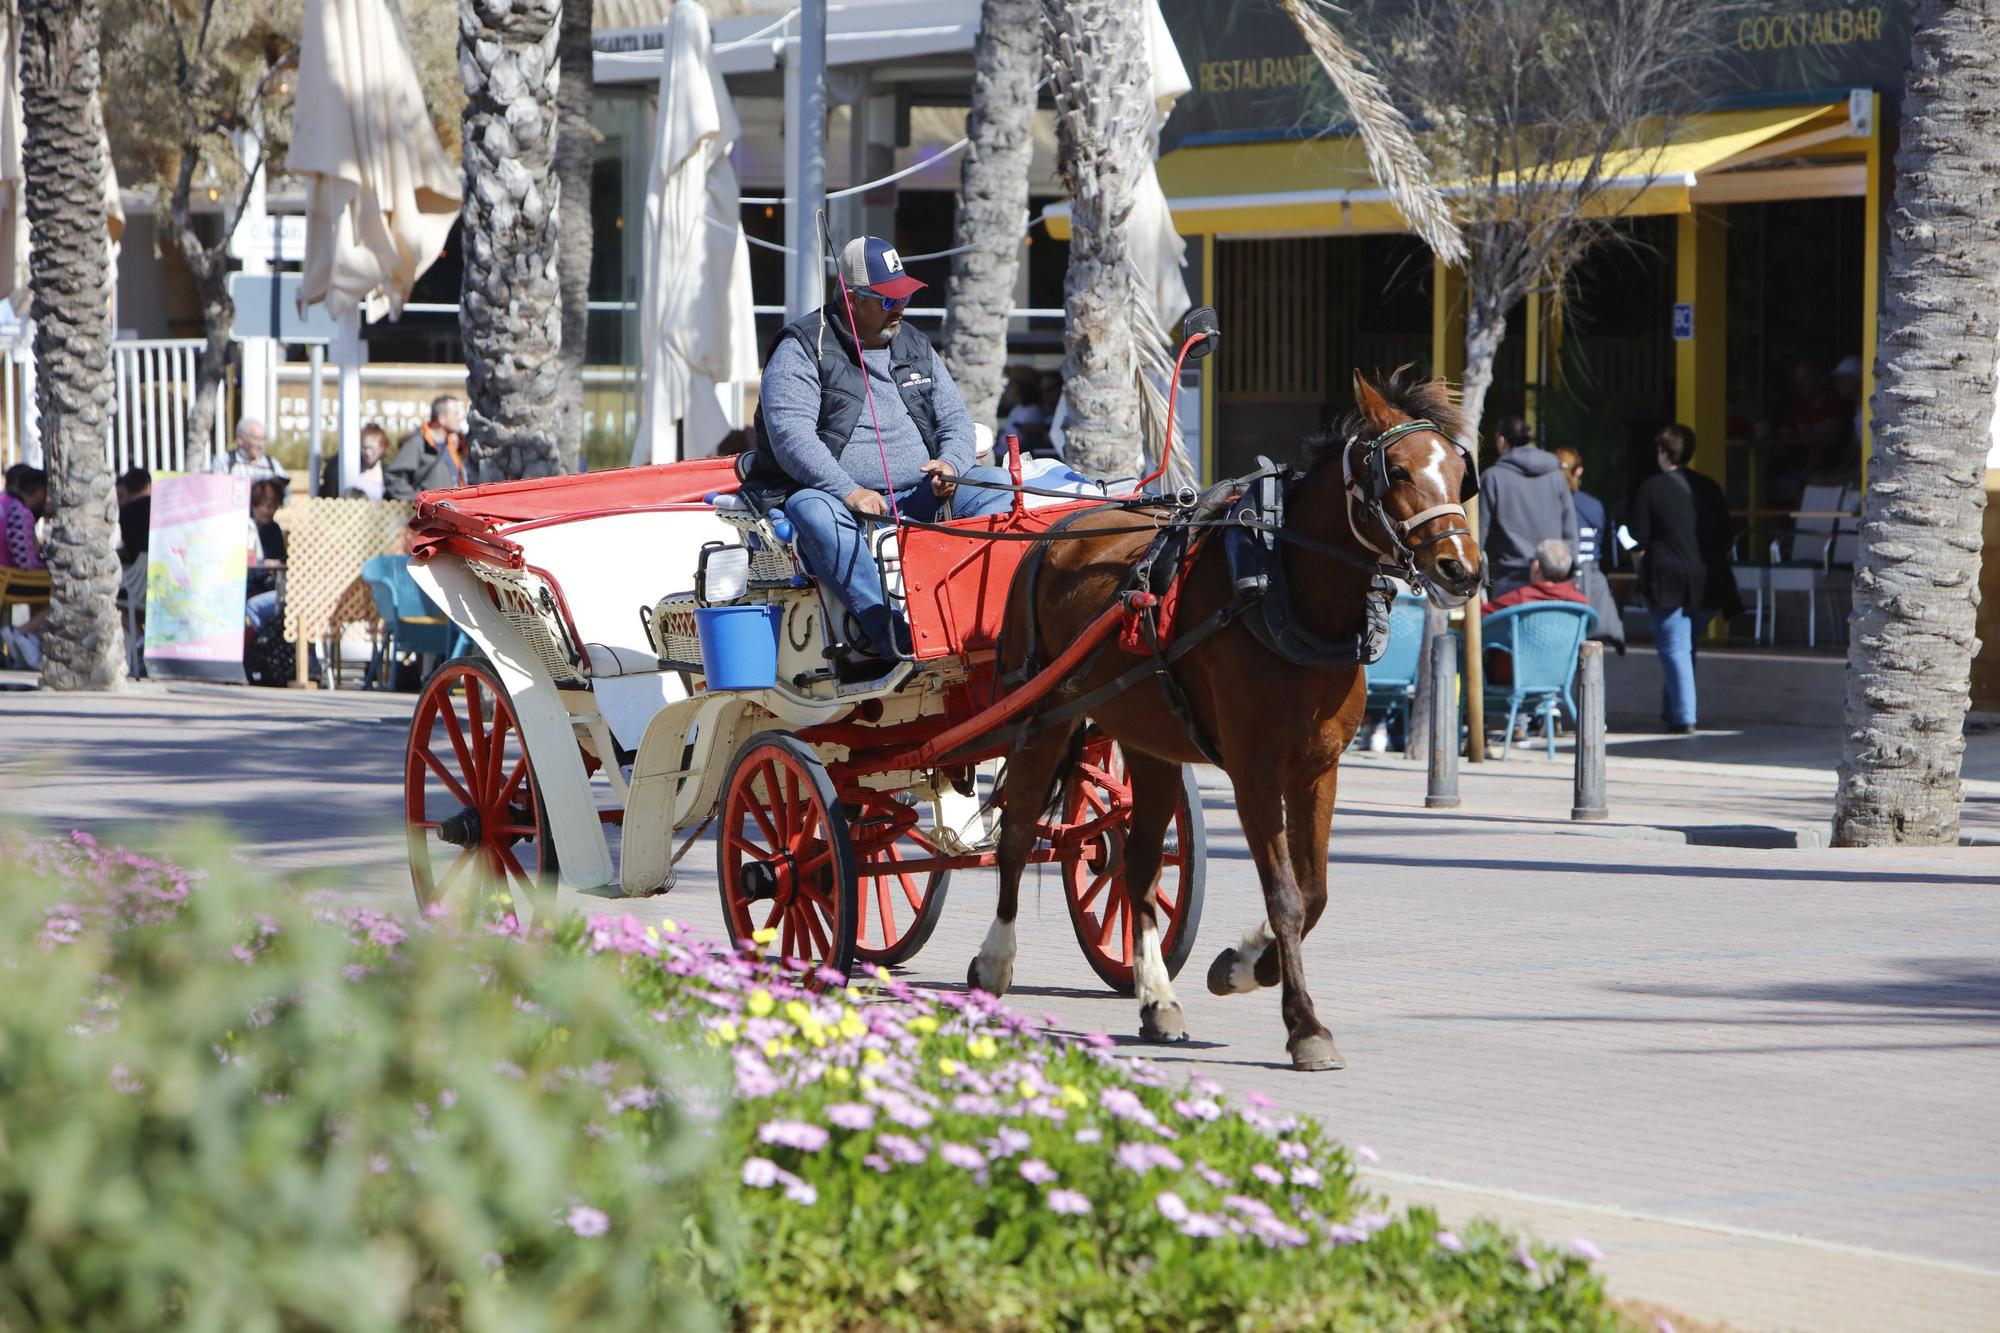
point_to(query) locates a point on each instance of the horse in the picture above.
(1384, 491)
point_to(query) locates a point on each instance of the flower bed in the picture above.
(621, 1125)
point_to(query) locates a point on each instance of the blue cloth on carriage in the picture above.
(835, 546)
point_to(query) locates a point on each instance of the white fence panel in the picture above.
(155, 384)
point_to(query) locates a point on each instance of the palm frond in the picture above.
(1399, 164)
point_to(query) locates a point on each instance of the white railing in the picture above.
(155, 388)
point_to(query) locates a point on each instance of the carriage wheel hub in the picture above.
(461, 829)
(761, 880)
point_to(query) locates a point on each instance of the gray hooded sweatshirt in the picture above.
(1524, 500)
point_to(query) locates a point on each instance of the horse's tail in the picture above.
(1072, 763)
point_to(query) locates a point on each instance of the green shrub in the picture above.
(221, 1113)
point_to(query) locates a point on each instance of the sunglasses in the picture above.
(890, 304)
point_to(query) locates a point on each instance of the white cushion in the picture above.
(607, 660)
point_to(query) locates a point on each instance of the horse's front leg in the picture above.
(1311, 1045)
(1156, 793)
(1253, 961)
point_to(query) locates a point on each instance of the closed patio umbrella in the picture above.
(696, 325)
(381, 194)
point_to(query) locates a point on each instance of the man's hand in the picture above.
(864, 501)
(938, 470)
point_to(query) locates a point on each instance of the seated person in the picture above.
(267, 553)
(135, 514)
(1548, 581)
(367, 484)
(818, 455)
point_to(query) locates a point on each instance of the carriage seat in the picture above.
(607, 661)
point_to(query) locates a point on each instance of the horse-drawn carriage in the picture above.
(842, 808)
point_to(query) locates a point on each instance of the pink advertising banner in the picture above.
(197, 555)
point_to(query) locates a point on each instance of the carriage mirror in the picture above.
(1200, 322)
(722, 574)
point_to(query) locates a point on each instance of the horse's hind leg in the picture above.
(1156, 793)
(1311, 1045)
(1031, 778)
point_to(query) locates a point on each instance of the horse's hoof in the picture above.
(996, 988)
(1162, 1023)
(1312, 1053)
(1222, 973)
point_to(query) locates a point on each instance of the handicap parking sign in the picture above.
(1683, 321)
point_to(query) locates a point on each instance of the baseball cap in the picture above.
(871, 262)
(1848, 369)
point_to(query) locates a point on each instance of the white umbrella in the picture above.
(696, 326)
(381, 194)
(1157, 249)
(14, 282)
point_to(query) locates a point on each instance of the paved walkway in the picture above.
(1762, 1081)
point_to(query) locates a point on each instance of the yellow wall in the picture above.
(1701, 363)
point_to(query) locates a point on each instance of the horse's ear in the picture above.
(1373, 405)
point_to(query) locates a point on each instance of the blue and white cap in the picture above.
(871, 262)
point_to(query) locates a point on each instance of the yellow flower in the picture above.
(727, 1032)
(771, 1048)
(982, 1048)
(840, 1075)
(764, 936)
(881, 973)
(669, 925)
(851, 993)
(653, 934)
(852, 1026)
(798, 1013)
(873, 1057)
(923, 1024)
(1074, 1095)
(761, 1003)
(1028, 1088)
(947, 1066)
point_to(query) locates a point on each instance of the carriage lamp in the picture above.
(723, 574)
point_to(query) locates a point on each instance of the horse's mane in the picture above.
(1406, 391)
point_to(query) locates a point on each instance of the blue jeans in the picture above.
(834, 542)
(1674, 636)
(259, 609)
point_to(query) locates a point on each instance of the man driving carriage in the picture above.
(836, 449)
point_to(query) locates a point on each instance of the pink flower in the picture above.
(1307, 1176)
(799, 1192)
(851, 1115)
(1090, 1134)
(1068, 1202)
(1364, 1153)
(587, 1221)
(1526, 1257)
(793, 1134)
(1171, 1206)
(1661, 1324)
(1292, 1150)
(1267, 1173)
(1143, 1157)
(1448, 1240)
(760, 1173)
(1007, 1141)
(1202, 1226)
(1256, 1098)
(874, 1161)
(963, 1156)
(905, 1150)
(1212, 1176)
(1037, 1172)
(1585, 1248)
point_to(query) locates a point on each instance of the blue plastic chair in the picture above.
(1542, 640)
(411, 622)
(1392, 681)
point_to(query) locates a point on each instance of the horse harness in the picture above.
(1249, 511)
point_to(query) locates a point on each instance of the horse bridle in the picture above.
(1371, 489)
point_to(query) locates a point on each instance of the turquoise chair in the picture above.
(1541, 640)
(411, 622)
(1392, 681)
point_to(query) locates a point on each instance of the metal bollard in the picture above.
(1443, 670)
(1589, 800)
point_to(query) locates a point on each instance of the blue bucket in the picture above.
(739, 646)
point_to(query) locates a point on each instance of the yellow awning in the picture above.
(1319, 186)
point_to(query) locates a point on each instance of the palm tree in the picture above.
(1916, 582)
(993, 198)
(510, 312)
(1104, 131)
(70, 262)
(575, 151)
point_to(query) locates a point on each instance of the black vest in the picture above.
(843, 398)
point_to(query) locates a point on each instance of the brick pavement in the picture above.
(1762, 1080)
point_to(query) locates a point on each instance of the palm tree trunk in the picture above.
(510, 311)
(83, 647)
(1916, 581)
(575, 152)
(993, 199)
(1103, 125)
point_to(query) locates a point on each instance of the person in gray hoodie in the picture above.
(1524, 500)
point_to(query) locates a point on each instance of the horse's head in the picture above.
(1408, 479)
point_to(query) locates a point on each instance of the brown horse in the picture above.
(1278, 728)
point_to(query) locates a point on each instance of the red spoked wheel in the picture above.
(896, 909)
(470, 802)
(1095, 816)
(783, 859)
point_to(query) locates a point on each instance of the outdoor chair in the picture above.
(1821, 555)
(1392, 681)
(1541, 640)
(411, 623)
(22, 587)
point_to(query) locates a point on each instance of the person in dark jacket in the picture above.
(1680, 521)
(431, 457)
(833, 448)
(1524, 500)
